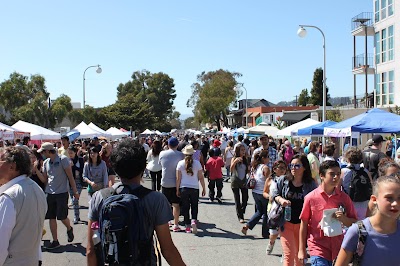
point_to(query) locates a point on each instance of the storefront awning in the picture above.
(295, 117)
(255, 114)
(247, 114)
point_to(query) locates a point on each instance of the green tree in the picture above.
(156, 89)
(190, 122)
(317, 88)
(334, 115)
(27, 99)
(213, 96)
(304, 98)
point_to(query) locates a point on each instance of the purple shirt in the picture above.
(380, 249)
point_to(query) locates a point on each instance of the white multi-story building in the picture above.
(382, 28)
(386, 52)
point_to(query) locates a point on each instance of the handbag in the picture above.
(236, 182)
(275, 215)
(251, 181)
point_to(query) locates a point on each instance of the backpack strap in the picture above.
(362, 238)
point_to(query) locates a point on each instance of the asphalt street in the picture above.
(219, 240)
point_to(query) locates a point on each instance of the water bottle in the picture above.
(288, 213)
(97, 243)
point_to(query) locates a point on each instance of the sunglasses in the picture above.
(280, 168)
(295, 166)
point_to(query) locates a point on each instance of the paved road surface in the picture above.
(219, 240)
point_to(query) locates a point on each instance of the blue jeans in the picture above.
(261, 204)
(319, 261)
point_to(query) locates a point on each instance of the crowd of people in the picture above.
(303, 193)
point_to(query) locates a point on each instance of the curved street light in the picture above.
(301, 32)
(98, 71)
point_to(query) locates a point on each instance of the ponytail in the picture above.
(189, 164)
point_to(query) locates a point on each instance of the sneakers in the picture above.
(170, 224)
(270, 247)
(241, 221)
(70, 234)
(55, 244)
(211, 200)
(219, 200)
(188, 230)
(176, 228)
(194, 226)
(77, 220)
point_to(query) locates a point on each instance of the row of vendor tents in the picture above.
(371, 121)
(81, 131)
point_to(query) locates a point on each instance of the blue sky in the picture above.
(59, 39)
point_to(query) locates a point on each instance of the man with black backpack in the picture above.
(128, 214)
(372, 156)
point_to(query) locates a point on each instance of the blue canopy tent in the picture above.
(316, 130)
(372, 121)
(73, 134)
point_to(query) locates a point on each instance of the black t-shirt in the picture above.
(296, 197)
(371, 158)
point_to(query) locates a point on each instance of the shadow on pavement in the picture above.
(216, 202)
(205, 227)
(70, 248)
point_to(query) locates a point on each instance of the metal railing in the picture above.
(364, 18)
(359, 61)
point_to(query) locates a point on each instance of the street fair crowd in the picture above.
(323, 208)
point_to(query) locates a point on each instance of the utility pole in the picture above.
(296, 102)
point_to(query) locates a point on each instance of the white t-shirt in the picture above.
(189, 181)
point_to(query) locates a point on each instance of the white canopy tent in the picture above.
(263, 128)
(87, 132)
(292, 130)
(115, 133)
(147, 132)
(37, 132)
(94, 127)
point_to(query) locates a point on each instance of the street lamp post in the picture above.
(98, 71)
(235, 88)
(302, 33)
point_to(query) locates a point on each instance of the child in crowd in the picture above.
(323, 249)
(213, 167)
(382, 229)
(279, 169)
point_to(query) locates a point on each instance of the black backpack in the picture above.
(124, 228)
(360, 185)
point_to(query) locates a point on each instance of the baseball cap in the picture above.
(95, 138)
(173, 142)
(377, 139)
(216, 143)
(46, 146)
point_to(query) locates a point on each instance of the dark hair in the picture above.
(94, 149)
(156, 148)
(246, 141)
(329, 149)
(325, 165)
(307, 177)
(258, 157)
(189, 164)
(65, 138)
(354, 155)
(386, 163)
(254, 144)
(21, 159)
(37, 155)
(128, 159)
(195, 144)
(230, 143)
(72, 148)
(237, 154)
(211, 152)
(240, 137)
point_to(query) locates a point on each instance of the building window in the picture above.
(384, 88)
(383, 9)
(390, 8)
(391, 87)
(377, 48)
(390, 43)
(377, 10)
(383, 45)
(378, 89)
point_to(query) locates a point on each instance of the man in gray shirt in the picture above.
(57, 170)
(129, 162)
(169, 160)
